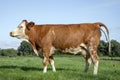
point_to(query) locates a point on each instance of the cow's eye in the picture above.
(20, 27)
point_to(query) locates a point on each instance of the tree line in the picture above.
(25, 49)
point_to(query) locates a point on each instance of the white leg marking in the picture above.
(44, 59)
(45, 66)
(95, 68)
(89, 61)
(53, 66)
(45, 69)
(36, 52)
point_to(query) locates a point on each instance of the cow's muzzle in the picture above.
(11, 34)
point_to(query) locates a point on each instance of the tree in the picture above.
(102, 49)
(115, 48)
(25, 49)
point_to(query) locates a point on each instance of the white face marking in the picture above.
(75, 50)
(19, 32)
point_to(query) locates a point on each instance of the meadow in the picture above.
(68, 68)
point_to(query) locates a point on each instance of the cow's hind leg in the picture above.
(45, 59)
(88, 63)
(95, 60)
(87, 57)
(51, 60)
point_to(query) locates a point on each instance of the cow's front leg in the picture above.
(45, 63)
(51, 60)
(46, 59)
(36, 51)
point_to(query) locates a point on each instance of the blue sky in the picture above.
(12, 12)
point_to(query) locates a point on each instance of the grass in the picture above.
(68, 68)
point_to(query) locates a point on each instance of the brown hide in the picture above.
(63, 36)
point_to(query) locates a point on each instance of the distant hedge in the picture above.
(8, 52)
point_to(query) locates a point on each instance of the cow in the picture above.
(81, 38)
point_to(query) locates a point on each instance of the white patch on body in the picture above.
(76, 49)
(52, 50)
(69, 50)
(53, 32)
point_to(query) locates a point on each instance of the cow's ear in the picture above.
(29, 25)
(24, 21)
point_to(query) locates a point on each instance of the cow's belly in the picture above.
(72, 50)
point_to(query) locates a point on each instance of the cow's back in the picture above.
(66, 36)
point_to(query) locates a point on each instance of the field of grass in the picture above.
(68, 68)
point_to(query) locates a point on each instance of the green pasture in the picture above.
(68, 68)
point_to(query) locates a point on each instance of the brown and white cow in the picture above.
(72, 38)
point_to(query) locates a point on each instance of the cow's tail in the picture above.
(107, 36)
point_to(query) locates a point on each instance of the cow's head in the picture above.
(19, 32)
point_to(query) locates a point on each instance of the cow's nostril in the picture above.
(11, 34)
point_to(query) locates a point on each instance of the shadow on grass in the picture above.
(110, 59)
(24, 68)
(65, 69)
